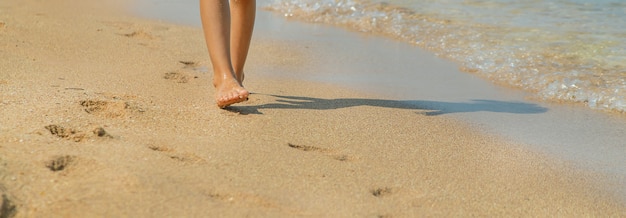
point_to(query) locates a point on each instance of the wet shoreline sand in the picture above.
(590, 139)
(104, 114)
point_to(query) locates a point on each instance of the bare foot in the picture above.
(229, 91)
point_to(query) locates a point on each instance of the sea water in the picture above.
(560, 50)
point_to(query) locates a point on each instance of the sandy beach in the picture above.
(104, 114)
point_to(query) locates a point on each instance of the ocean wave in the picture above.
(572, 66)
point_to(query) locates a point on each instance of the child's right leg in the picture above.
(242, 14)
(216, 25)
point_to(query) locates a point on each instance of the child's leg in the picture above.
(242, 24)
(216, 24)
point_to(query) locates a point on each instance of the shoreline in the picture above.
(114, 124)
(590, 139)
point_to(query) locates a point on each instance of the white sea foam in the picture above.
(561, 50)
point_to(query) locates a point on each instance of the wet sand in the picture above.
(590, 139)
(105, 114)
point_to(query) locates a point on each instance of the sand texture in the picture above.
(107, 115)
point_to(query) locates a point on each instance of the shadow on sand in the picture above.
(429, 108)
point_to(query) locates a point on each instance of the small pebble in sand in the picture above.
(99, 131)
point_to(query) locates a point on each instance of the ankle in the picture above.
(240, 77)
(222, 78)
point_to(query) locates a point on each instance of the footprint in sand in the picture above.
(178, 76)
(110, 108)
(194, 66)
(189, 64)
(61, 162)
(328, 152)
(140, 34)
(185, 74)
(381, 192)
(143, 37)
(177, 156)
(75, 135)
(7, 207)
(60, 131)
(66, 133)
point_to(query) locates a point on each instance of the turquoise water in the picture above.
(559, 50)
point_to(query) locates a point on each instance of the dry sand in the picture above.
(107, 115)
